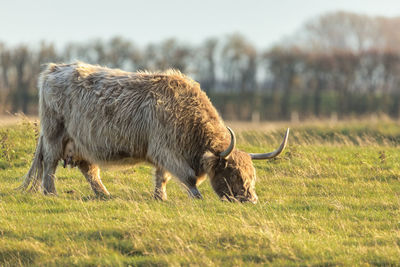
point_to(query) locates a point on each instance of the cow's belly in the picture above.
(125, 162)
(110, 148)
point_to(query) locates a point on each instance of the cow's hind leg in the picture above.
(161, 178)
(53, 131)
(49, 170)
(92, 175)
(52, 151)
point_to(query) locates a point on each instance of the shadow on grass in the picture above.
(119, 241)
(94, 197)
(17, 257)
(111, 260)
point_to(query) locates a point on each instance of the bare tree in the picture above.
(169, 54)
(119, 52)
(206, 64)
(339, 31)
(5, 65)
(389, 30)
(239, 63)
(21, 58)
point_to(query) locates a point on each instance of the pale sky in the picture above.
(262, 22)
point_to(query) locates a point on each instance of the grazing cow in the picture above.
(92, 115)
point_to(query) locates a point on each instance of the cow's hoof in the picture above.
(160, 197)
(103, 196)
(50, 194)
(194, 193)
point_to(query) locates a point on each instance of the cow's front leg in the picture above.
(194, 193)
(92, 175)
(178, 167)
(190, 184)
(161, 178)
(189, 181)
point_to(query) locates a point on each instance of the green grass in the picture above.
(332, 199)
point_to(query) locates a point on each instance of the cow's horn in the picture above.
(226, 153)
(274, 153)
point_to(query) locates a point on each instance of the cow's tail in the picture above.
(34, 175)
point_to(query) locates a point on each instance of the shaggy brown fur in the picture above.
(102, 115)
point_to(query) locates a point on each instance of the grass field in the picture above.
(332, 199)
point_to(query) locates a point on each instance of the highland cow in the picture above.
(92, 115)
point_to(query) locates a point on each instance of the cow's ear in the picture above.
(210, 160)
(222, 163)
(209, 156)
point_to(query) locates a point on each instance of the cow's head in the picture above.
(232, 173)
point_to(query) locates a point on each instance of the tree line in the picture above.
(337, 64)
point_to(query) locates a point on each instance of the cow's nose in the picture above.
(254, 199)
